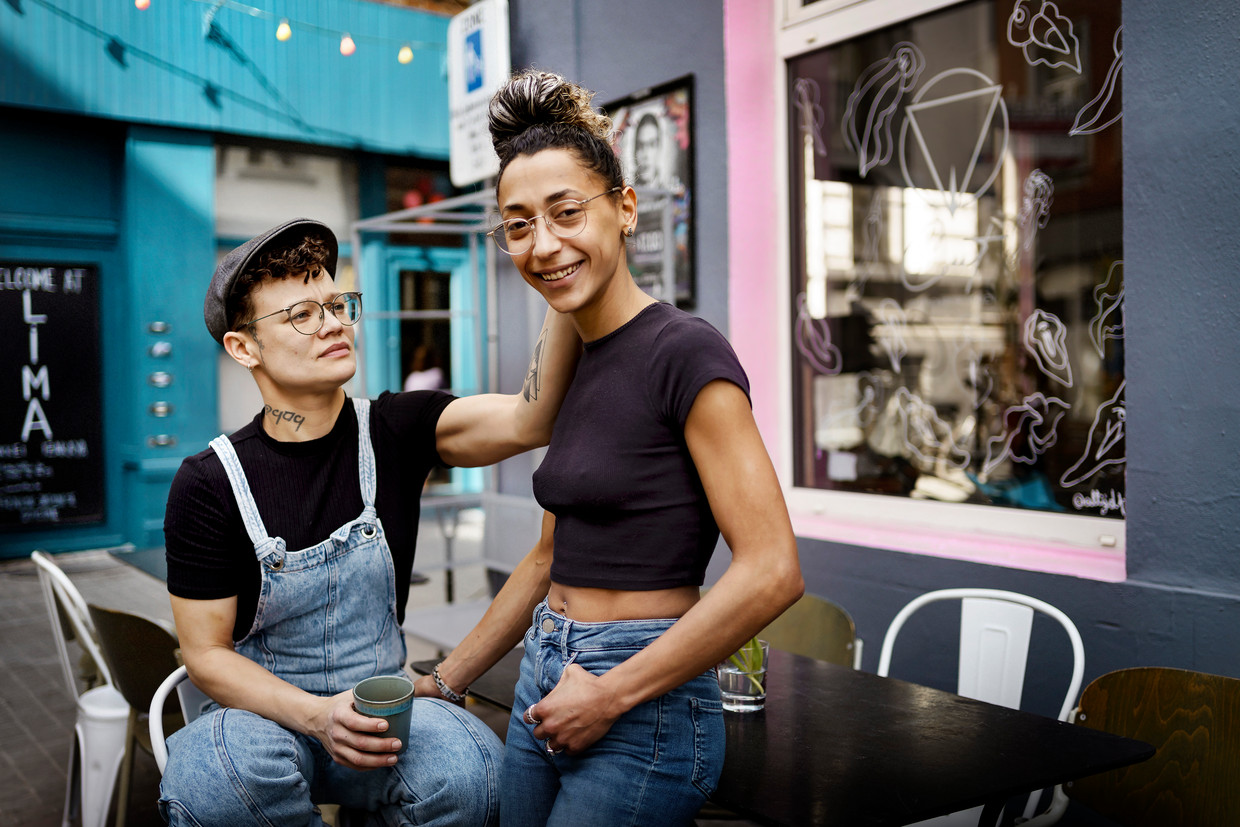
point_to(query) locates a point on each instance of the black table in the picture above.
(150, 560)
(836, 746)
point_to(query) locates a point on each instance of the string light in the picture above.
(284, 30)
(142, 5)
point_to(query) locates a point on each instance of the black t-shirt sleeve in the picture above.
(200, 528)
(687, 355)
(405, 422)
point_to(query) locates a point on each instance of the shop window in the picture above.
(956, 318)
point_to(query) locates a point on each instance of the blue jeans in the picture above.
(232, 767)
(655, 766)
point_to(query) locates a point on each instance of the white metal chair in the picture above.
(102, 713)
(192, 701)
(995, 627)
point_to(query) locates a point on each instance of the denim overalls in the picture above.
(326, 618)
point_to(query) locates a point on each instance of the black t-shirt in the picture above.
(629, 505)
(304, 492)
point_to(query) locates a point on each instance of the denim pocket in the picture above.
(708, 743)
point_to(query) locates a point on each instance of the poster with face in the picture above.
(653, 139)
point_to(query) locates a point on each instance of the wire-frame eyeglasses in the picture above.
(307, 316)
(565, 219)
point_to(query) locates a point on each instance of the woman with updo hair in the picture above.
(617, 717)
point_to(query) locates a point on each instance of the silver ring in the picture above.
(529, 717)
(551, 751)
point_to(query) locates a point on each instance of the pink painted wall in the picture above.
(753, 206)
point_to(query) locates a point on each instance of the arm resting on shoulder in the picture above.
(489, 427)
(505, 621)
(763, 579)
(204, 628)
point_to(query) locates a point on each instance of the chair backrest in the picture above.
(192, 699)
(995, 627)
(1193, 721)
(70, 620)
(816, 628)
(140, 652)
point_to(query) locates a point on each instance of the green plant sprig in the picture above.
(749, 659)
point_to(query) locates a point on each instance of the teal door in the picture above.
(425, 328)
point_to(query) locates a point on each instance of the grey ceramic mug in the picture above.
(389, 697)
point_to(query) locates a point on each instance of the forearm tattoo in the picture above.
(533, 377)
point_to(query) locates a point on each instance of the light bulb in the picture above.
(347, 46)
(283, 31)
(142, 5)
(405, 55)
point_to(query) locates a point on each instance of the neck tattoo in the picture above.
(285, 416)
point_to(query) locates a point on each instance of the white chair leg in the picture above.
(103, 720)
(71, 783)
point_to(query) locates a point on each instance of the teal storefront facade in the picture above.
(113, 124)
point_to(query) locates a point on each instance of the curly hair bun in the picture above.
(535, 98)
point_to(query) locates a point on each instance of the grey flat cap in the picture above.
(289, 234)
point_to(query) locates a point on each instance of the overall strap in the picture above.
(365, 453)
(241, 490)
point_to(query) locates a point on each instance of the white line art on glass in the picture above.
(1036, 419)
(1043, 32)
(980, 108)
(812, 115)
(974, 375)
(1108, 323)
(1035, 205)
(1106, 441)
(871, 250)
(966, 263)
(813, 340)
(890, 327)
(875, 99)
(862, 414)
(927, 435)
(1046, 339)
(1106, 107)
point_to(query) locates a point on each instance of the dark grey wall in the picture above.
(1182, 599)
(618, 48)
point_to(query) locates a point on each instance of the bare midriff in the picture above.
(605, 605)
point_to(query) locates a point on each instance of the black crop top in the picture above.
(630, 510)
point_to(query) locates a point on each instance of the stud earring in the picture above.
(628, 232)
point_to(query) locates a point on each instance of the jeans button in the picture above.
(548, 625)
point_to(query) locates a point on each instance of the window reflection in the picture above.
(958, 278)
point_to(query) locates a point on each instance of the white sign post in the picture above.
(479, 63)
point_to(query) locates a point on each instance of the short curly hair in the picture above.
(306, 259)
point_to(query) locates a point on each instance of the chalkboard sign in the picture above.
(51, 411)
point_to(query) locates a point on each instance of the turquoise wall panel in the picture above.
(219, 67)
(169, 217)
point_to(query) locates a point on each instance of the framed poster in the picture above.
(654, 140)
(51, 429)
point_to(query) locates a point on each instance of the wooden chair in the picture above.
(1193, 720)
(816, 628)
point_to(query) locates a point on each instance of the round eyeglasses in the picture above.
(307, 316)
(565, 219)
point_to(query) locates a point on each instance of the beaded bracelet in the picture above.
(444, 689)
